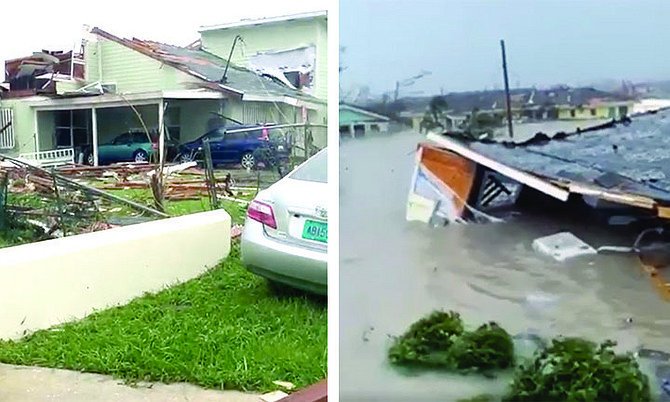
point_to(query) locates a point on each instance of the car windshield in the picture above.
(315, 169)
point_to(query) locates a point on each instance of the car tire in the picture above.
(248, 161)
(140, 156)
(183, 158)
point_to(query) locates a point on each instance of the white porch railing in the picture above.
(56, 157)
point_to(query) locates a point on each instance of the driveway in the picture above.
(36, 384)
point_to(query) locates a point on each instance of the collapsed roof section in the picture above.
(619, 165)
(37, 73)
(209, 68)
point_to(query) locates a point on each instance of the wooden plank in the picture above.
(663, 212)
(314, 393)
(512, 173)
(455, 171)
(619, 198)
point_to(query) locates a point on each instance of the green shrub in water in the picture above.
(489, 347)
(428, 340)
(574, 369)
(439, 340)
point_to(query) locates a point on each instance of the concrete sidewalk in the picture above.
(35, 384)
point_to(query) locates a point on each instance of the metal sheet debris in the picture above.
(562, 246)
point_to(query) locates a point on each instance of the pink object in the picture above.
(262, 213)
(265, 135)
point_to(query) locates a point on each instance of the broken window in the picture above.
(294, 67)
(293, 77)
(6, 128)
(375, 128)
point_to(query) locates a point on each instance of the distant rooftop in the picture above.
(259, 21)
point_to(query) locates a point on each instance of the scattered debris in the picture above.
(284, 384)
(616, 169)
(562, 246)
(273, 396)
(236, 231)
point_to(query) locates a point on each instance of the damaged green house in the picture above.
(124, 85)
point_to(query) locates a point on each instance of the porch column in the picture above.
(71, 130)
(37, 133)
(161, 132)
(94, 124)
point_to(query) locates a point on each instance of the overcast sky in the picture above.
(29, 26)
(548, 42)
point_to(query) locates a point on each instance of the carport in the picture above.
(75, 122)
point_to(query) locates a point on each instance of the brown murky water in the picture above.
(392, 272)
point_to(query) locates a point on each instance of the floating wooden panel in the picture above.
(455, 171)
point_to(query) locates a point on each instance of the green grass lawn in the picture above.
(236, 210)
(225, 329)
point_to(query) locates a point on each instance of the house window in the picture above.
(6, 128)
(593, 112)
(572, 113)
(375, 128)
(71, 126)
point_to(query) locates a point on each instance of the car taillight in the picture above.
(154, 145)
(262, 213)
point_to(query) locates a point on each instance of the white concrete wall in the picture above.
(46, 283)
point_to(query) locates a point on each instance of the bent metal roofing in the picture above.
(628, 163)
(210, 68)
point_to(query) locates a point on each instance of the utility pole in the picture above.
(509, 106)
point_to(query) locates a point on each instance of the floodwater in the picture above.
(392, 272)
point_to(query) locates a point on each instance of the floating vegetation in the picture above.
(487, 348)
(574, 369)
(427, 342)
(439, 340)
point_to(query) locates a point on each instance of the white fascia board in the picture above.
(260, 21)
(192, 94)
(98, 101)
(282, 99)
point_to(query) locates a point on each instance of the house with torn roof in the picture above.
(293, 48)
(124, 85)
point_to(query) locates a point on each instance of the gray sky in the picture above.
(547, 42)
(32, 26)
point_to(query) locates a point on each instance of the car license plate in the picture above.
(314, 230)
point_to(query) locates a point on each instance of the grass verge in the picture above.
(225, 329)
(236, 210)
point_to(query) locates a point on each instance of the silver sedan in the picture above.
(285, 236)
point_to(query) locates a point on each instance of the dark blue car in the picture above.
(237, 144)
